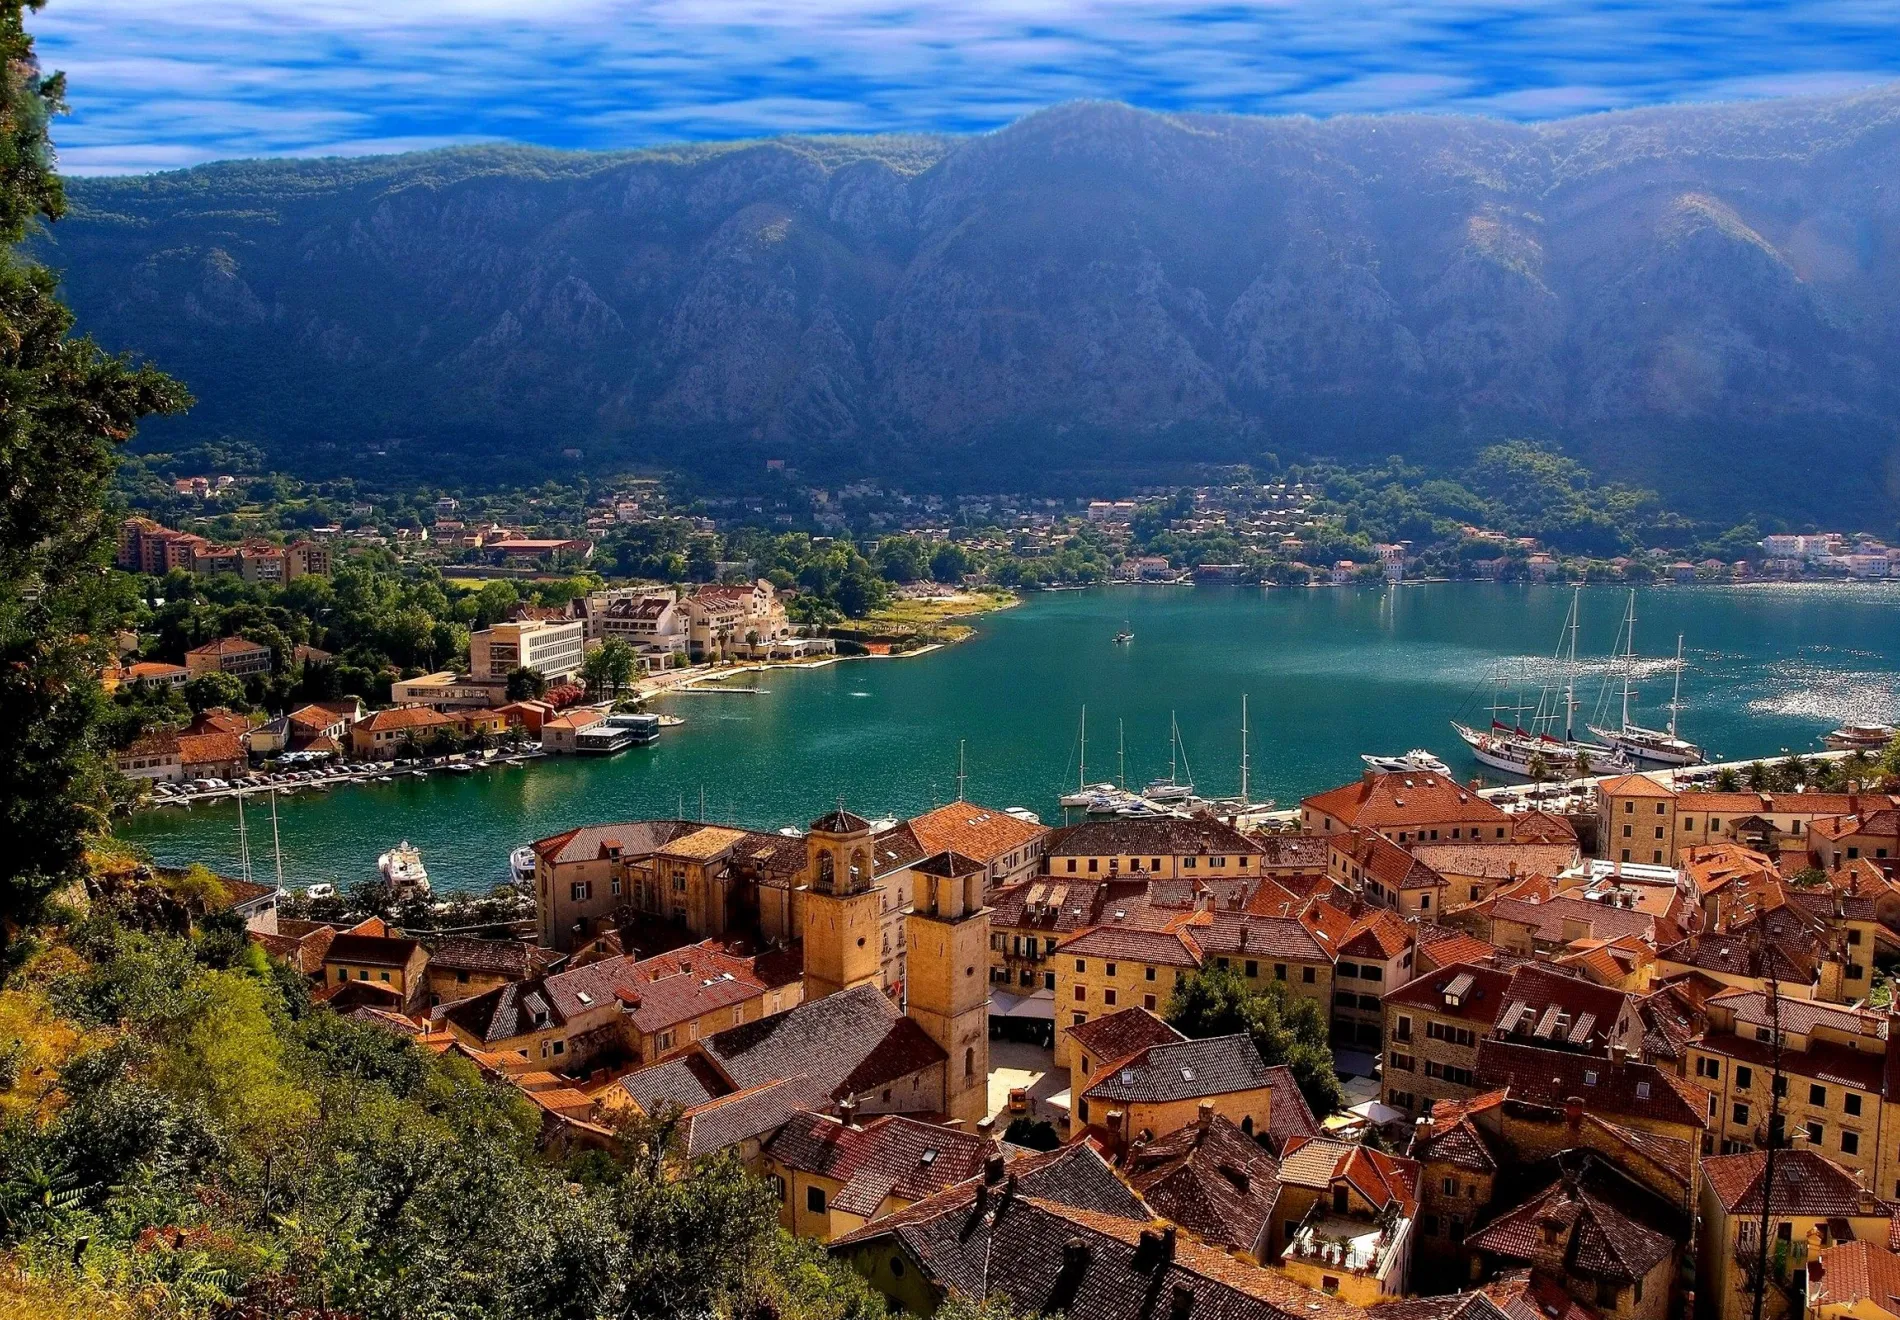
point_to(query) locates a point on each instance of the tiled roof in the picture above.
(1851, 1272)
(1494, 860)
(1629, 1090)
(1289, 1115)
(1293, 852)
(371, 950)
(634, 838)
(980, 832)
(303, 949)
(683, 1082)
(516, 959)
(227, 646)
(1384, 861)
(1311, 1163)
(1212, 1179)
(1236, 933)
(1539, 998)
(1821, 1061)
(756, 1111)
(1806, 1184)
(1443, 946)
(1167, 948)
(1552, 921)
(404, 717)
(1452, 1306)
(1543, 827)
(1032, 1242)
(1184, 1070)
(1533, 1295)
(682, 985)
(1376, 801)
(1149, 836)
(1479, 989)
(1711, 866)
(1598, 1236)
(209, 748)
(852, 1041)
(1055, 905)
(1114, 1037)
(1455, 1139)
(702, 844)
(1799, 1016)
(1670, 1153)
(1634, 786)
(888, 1156)
(840, 822)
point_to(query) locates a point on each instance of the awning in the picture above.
(1040, 1007)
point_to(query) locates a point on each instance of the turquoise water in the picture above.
(1329, 674)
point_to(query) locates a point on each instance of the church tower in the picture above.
(842, 944)
(948, 937)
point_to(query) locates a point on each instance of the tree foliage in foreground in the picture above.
(193, 1130)
(65, 408)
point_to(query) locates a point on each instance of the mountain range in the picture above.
(1704, 300)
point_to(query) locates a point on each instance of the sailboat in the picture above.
(1125, 636)
(1173, 788)
(1661, 747)
(1510, 747)
(1086, 794)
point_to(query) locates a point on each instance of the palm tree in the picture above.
(1757, 776)
(1538, 767)
(1583, 765)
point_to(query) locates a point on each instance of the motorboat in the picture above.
(1418, 761)
(521, 865)
(403, 872)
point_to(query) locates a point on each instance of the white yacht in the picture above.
(1656, 747)
(1174, 788)
(1860, 738)
(403, 871)
(1418, 761)
(521, 865)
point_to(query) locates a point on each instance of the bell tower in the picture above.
(948, 936)
(842, 945)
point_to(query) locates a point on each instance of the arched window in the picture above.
(1246, 1125)
(969, 1061)
(827, 869)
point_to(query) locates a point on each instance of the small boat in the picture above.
(1860, 738)
(403, 872)
(521, 865)
(1125, 636)
(1418, 761)
(462, 768)
(320, 891)
(1024, 814)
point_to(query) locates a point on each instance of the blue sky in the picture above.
(157, 84)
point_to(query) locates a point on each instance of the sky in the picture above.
(156, 84)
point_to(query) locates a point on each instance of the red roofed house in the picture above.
(391, 733)
(229, 655)
(1815, 1202)
(1433, 1024)
(1344, 1221)
(1405, 808)
(833, 1175)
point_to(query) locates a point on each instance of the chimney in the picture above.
(1075, 1254)
(1180, 1299)
(1573, 1113)
(1243, 937)
(1167, 1239)
(1422, 1131)
(848, 1111)
(993, 1169)
(1114, 1121)
(982, 1199)
(1617, 1053)
(984, 1126)
(1206, 1115)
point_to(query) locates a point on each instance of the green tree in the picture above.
(525, 683)
(1286, 1028)
(609, 667)
(216, 688)
(65, 408)
(949, 563)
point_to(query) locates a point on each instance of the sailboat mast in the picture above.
(1675, 697)
(1174, 743)
(1121, 756)
(1570, 671)
(1629, 658)
(276, 841)
(244, 843)
(1082, 766)
(1243, 749)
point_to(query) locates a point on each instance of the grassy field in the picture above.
(939, 616)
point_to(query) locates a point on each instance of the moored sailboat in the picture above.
(1655, 747)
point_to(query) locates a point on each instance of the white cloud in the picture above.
(156, 83)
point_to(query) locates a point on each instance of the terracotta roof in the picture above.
(1634, 786)
(639, 838)
(1183, 1070)
(209, 748)
(1603, 1229)
(1630, 1090)
(1383, 860)
(1167, 948)
(302, 949)
(1851, 1272)
(980, 832)
(1542, 827)
(517, 959)
(371, 950)
(1443, 946)
(227, 646)
(1289, 1115)
(1478, 989)
(1452, 1306)
(405, 717)
(1672, 1154)
(1543, 1006)
(887, 1156)
(1293, 852)
(1806, 1184)
(1210, 1178)
(1145, 836)
(1551, 921)
(1495, 860)
(852, 1041)
(1114, 1037)
(1248, 936)
(1376, 801)
(1533, 1295)
(839, 822)
(1712, 866)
